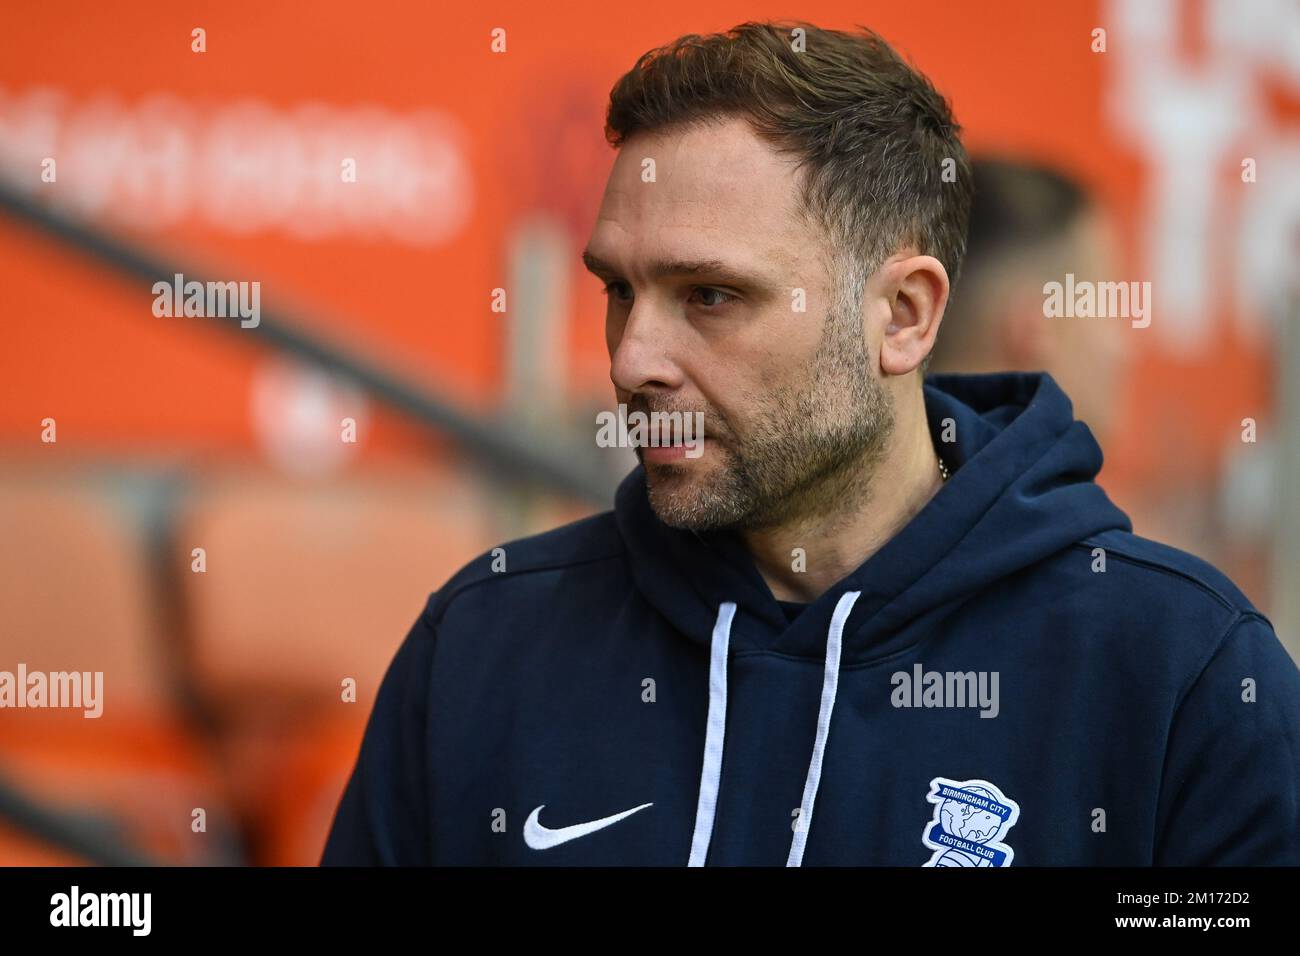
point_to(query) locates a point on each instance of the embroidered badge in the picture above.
(970, 819)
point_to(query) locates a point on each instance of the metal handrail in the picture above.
(512, 453)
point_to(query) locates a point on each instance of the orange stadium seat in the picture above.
(76, 596)
(307, 586)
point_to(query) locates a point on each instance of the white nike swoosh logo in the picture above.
(543, 838)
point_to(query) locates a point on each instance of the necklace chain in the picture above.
(943, 469)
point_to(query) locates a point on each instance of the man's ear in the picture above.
(920, 286)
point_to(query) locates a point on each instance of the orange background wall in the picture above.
(84, 347)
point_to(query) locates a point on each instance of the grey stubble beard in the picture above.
(813, 451)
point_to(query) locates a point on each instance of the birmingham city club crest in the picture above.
(971, 817)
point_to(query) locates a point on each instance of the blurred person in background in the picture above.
(1030, 225)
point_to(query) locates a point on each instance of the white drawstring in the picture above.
(712, 769)
(711, 772)
(830, 684)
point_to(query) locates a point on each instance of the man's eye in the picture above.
(615, 289)
(720, 297)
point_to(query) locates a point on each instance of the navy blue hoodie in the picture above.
(1014, 677)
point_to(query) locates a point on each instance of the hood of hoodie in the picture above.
(1021, 489)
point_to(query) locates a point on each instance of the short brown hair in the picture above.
(870, 132)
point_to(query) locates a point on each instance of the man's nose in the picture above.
(643, 354)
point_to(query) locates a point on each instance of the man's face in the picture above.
(703, 268)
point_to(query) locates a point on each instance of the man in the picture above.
(876, 621)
